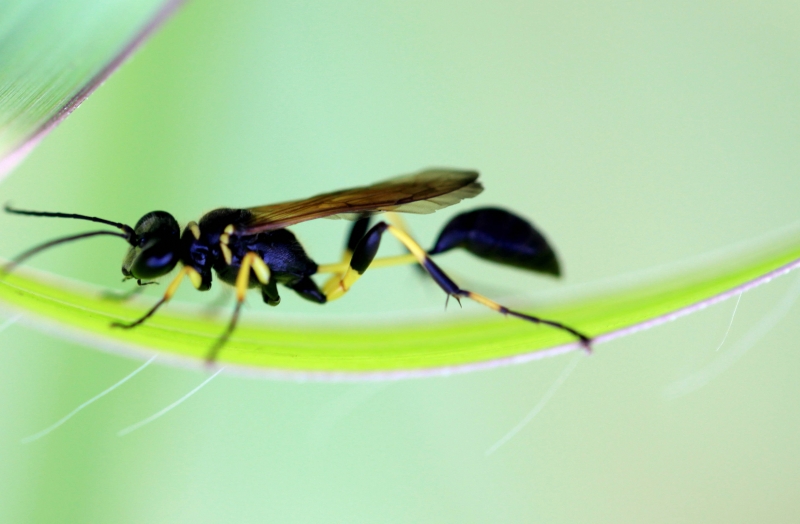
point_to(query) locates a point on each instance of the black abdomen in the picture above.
(499, 236)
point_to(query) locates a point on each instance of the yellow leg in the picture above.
(453, 290)
(338, 271)
(397, 221)
(345, 276)
(362, 260)
(189, 271)
(415, 249)
(341, 285)
(250, 261)
(341, 267)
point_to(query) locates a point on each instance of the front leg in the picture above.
(194, 276)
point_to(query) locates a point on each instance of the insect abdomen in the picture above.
(500, 236)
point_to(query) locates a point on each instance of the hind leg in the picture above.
(368, 248)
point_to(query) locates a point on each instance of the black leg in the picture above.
(309, 290)
(270, 294)
(357, 232)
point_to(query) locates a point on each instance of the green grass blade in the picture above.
(460, 343)
(54, 53)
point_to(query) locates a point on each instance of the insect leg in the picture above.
(341, 267)
(270, 293)
(368, 247)
(357, 232)
(171, 289)
(454, 291)
(397, 220)
(307, 288)
(250, 261)
(362, 257)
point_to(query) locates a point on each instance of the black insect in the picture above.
(251, 248)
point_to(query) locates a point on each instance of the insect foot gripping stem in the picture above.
(171, 289)
(585, 341)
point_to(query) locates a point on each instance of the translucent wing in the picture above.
(423, 192)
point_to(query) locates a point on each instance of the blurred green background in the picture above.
(635, 135)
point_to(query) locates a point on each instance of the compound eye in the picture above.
(155, 259)
(155, 249)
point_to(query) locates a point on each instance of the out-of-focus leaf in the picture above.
(54, 53)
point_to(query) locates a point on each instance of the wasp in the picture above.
(252, 247)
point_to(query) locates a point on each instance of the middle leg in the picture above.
(250, 261)
(357, 232)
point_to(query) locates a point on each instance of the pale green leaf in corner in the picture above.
(54, 53)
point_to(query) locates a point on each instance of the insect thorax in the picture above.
(212, 244)
(200, 242)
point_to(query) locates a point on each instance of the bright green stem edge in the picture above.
(310, 351)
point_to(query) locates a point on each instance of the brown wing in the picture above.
(423, 192)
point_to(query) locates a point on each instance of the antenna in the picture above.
(129, 234)
(41, 247)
